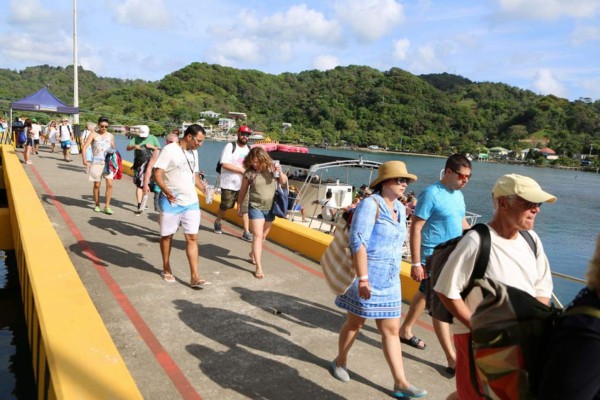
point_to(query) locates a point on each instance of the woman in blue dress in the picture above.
(377, 232)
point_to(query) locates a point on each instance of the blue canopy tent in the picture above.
(42, 101)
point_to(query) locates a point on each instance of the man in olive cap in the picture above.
(517, 202)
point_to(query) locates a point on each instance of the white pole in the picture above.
(75, 65)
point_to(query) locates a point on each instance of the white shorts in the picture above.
(189, 221)
(96, 173)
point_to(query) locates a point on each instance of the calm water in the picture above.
(16, 374)
(568, 228)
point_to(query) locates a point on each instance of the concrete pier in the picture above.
(239, 337)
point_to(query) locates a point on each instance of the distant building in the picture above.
(210, 114)
(225, 124)
(497, 152)
(548, 153)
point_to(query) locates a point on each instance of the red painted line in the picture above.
(306, 268)
(160, 354)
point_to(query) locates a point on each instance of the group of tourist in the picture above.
(377, 232)
(248, 178)
(53, 134)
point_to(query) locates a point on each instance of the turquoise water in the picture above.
(16, 374)
(568, 228)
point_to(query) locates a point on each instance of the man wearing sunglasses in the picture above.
(176, 174)
(230, 181)
(517, 202)
(438, 216)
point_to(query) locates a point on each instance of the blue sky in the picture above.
(547, 46)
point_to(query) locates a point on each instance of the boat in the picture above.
(317, 174)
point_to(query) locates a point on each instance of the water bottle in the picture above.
(210, 190)
(276, 164)
(144, 201)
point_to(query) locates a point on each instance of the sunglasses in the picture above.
(246, 134)
(197, 140)
(528, 204)
(463, 177)
(403, 180)
(103, 126)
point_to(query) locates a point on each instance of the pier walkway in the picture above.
(239, 337)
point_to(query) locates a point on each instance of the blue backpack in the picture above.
(22, 137)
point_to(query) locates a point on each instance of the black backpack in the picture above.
(436, 261)
(219, 164)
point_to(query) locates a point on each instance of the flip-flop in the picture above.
(200, 284)
(259, 275)
(167, 277)
(414, 342)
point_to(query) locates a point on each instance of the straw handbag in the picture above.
(336, 261)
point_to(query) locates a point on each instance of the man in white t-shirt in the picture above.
(66, 136)
(330, 207)
(175, 172)
(230, 182)
(517, 201)
(35, 129)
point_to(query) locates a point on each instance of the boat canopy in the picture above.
(309, 160)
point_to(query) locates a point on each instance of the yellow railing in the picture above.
(74, 356)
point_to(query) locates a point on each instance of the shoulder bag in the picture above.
(280, 201)
(337, 262)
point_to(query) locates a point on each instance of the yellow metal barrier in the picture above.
(74, 356)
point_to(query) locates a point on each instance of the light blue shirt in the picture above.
(443, 211)
(383, 239)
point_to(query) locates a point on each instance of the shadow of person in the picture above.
(65, 201)
(125, 228)
(232, 330)
(255, 376)
(104, 254)
(222, 256)
(300, 311)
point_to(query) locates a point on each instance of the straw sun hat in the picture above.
(392, 169)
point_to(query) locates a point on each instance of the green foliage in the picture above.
(353, 106)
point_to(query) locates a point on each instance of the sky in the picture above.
(546, 46)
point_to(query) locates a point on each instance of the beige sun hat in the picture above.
(392, 169)
(522, 186)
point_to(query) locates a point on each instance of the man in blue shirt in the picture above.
(438, 216)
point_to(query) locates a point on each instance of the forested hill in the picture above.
(353, 105)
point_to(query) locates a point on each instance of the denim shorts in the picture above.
(267, 215)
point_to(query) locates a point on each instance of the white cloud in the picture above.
(238, 50)
(148, 14)
(549, 9)
(326, 62)
(400, 49)
(27, 12)
(31, 50)
(425, 60)
(298, 22)
(370, 19)
(546, 83)
(275, 38)
(583, 34)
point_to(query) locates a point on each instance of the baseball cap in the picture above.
(144, 131)
(522, 186)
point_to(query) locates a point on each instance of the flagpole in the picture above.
(75, 65)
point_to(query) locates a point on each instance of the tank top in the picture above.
(100, 145)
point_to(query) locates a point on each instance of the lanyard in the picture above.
(192, 168)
